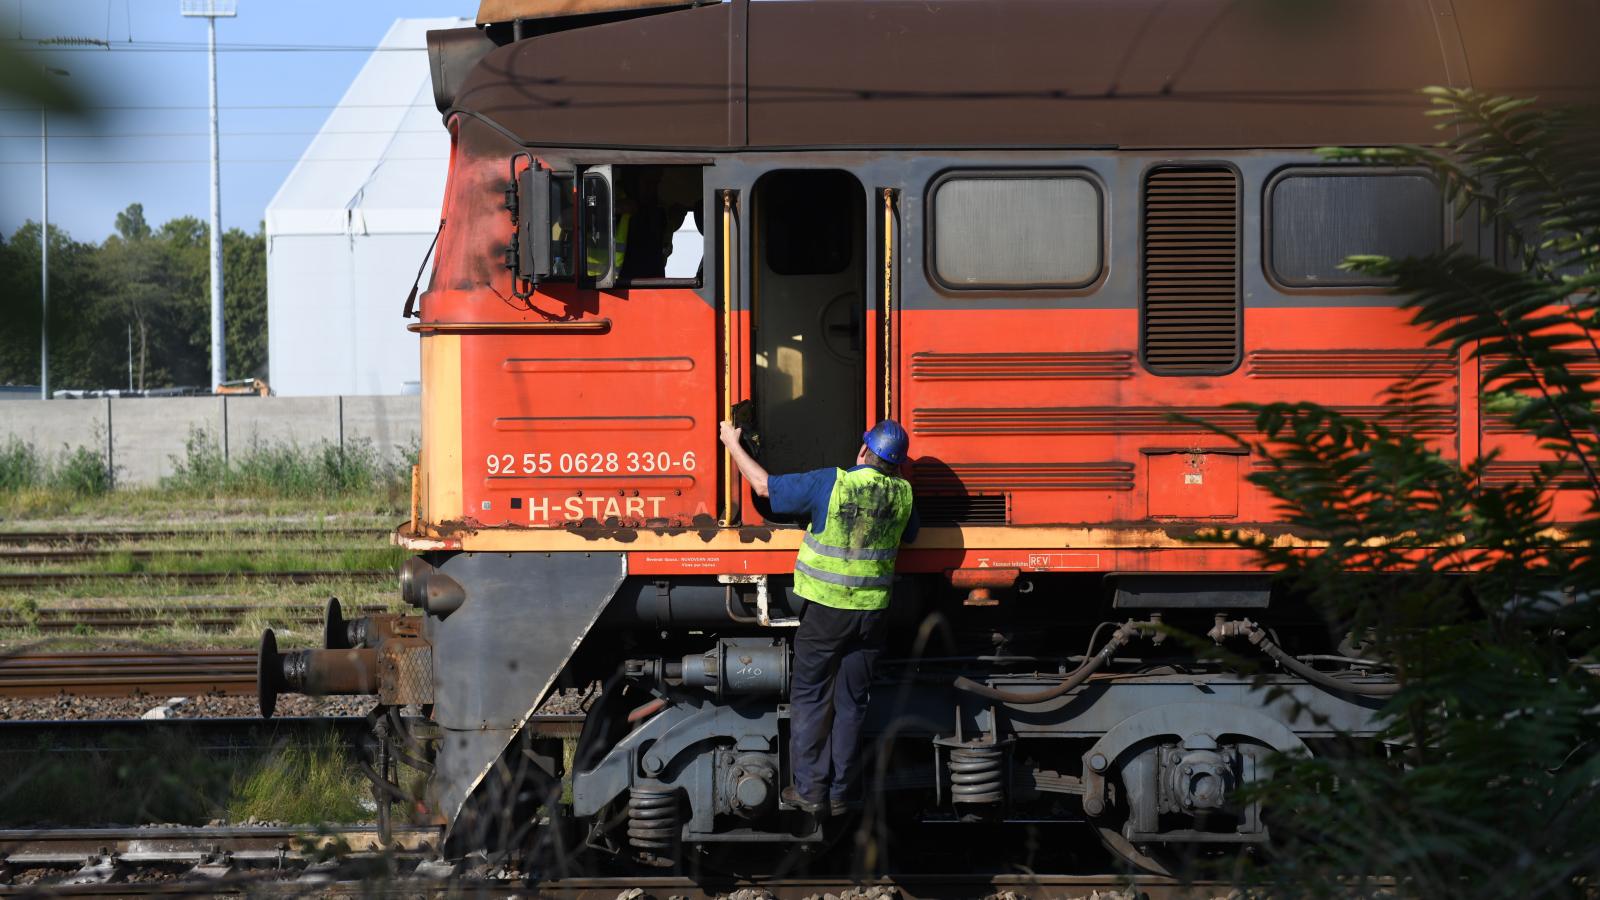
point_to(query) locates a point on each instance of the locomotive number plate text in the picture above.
(632, 462)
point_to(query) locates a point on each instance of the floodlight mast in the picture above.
(44, 241)
(211, 10)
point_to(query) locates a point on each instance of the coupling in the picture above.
(315, 672)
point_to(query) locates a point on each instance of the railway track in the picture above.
(90, 554)
(131, 674)
(56, 619)
(342, 862)
(167, 861)
(954, 886)
(47, 579)
(93, 537)
(213, 733)
(128, 674)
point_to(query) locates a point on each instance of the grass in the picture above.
(264, 479)
(226, 559)
(29, 477)
(288, 471)
(231, 544)
(317, 782)
(120, 779)
(282, 607)
(220, 509)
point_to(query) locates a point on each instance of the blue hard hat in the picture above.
(888, 440)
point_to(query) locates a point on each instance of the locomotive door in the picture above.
(808, 318)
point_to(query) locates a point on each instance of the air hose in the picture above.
(1121, 636)
(1315, 676)
(1259, 638)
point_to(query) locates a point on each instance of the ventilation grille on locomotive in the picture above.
(1190, 314)
(962, 509)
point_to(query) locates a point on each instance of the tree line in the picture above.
(144, 285)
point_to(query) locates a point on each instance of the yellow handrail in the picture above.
(888, 303)
(727, 349)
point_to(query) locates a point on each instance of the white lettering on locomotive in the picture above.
(577, 508)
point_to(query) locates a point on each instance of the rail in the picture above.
(128, 674)
(48, 538)
(47, 579)
(210, 617)
(89, 554)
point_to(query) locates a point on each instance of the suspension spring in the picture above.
(977, 773)
(652, 819)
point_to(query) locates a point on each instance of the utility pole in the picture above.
(210, 10)
(44, 242)
(44, 254)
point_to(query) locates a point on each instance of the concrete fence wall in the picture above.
(142, 435)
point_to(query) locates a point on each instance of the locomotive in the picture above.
(1050, 237)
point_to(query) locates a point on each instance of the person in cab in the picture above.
(845, 571)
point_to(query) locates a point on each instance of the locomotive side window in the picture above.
(1016, 230)
(1317, 217)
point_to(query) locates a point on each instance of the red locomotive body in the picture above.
(1055, 239)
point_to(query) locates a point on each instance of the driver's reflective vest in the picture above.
(850, 565)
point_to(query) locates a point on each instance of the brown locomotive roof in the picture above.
(1020, 73)
(490, 11)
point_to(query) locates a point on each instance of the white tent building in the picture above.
(350, 225)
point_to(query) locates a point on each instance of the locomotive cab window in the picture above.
(656, 224)
(1317, 217)
(626, 226)
(998, 230)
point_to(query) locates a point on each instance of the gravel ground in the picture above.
(213, 706)
(199, 707)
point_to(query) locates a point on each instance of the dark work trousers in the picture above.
(833, 656)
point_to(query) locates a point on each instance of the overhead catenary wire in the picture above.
(229, 160)
(140, 107)
(119, 135)
(42, 46)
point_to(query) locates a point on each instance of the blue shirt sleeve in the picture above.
(803, 493)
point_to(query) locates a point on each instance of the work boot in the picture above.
(838, 806)
(791, 797)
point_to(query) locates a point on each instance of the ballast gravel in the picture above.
(213, 706)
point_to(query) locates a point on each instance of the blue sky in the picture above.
(272, 103)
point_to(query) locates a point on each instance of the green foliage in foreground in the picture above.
(1487, 781)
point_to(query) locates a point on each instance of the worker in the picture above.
(845, 569)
